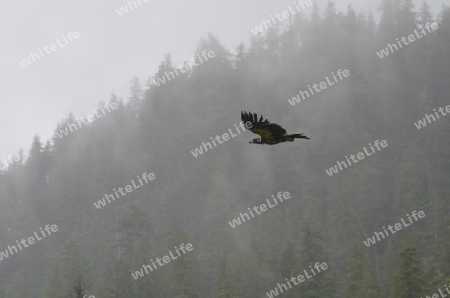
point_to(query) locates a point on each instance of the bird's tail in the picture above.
(298, 136)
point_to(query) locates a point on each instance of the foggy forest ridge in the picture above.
(167, 193)
(71, 59)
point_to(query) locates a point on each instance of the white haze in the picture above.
(110, 51)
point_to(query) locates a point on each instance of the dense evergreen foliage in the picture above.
(192, 199)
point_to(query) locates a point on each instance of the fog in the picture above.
(112, 50)
(136, 159)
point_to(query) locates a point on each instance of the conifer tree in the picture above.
(409, 278)
(360, 281)
(311, 252)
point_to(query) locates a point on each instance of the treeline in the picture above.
(192, 199)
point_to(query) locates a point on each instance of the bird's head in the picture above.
(255, 141)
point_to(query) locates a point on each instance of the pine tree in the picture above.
(74, 268)
(311, 252)
(425, 15)
(406, 17)
(136, 95)
(184, 270)
(387, 31)
(360, 281)
(409, 279)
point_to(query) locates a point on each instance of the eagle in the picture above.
(271, 133)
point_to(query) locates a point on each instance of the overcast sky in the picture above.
(111, 49)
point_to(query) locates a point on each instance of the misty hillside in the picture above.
(192, 204)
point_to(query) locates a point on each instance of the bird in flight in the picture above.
(270, 133)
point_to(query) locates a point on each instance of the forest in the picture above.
(328, 219)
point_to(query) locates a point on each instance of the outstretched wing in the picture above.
(262, 126)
